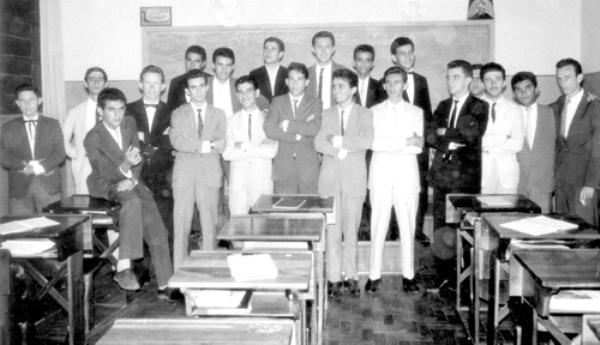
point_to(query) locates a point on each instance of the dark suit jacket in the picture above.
(15, 153)
(578, 157)
(159, 158)
(375, 94)
(176, 96)
(312, 88)
(105, 157)
(460, 168)
(264, 84)
(306, 163)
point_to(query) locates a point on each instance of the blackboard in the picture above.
(436, 43)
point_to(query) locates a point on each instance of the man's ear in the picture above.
(394, 60)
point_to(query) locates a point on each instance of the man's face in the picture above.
(567, 79)
(28, 102)
(113, 113)
(194, 61)
(323, 49)
(394, 86)
(363, 63)
(342, 92)
(95, 83)
(152, 85)
(247, 95)
(476, 87)
(223, 68)
(525, 93)
(494, 84)
(296, 83)
(271, 53)
(457, 81)
(405, 57)
(196, 90)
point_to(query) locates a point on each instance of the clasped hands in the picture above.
(283, 125)
(33, 167)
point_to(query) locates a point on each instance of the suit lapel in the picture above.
(579, 113)
(109, 145)
(143, 125)
(266, 80)
(352, 122)
(279, 80)
(39, 133)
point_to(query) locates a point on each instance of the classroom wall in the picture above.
(590, 34)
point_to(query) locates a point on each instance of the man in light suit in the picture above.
(536, 158)
(271, 77)
(198, 132)
(113, 149)
(577, 145)
(293, 120)
(249, 150)
(394, 176)
(80, 119)
(195, 58)
(31, 149)
(503, 136)
(345, 135)
(319, 74)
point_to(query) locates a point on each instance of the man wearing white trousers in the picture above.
(394, 176)
(249, 150)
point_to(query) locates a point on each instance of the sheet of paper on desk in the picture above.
(217, 298)
(26, 224)
(575, 301)
(25, 247)
(289, 203)
(539, 225)
(495, 201)
(245, 267)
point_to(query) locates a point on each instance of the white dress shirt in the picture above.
(363, 88)
(31, 129)
(326, 87)
(90, 114)
(272, 73)
(571, 109)
(222, 96)
(202, 114)
(410, 86)
(150, 113)
(530, 115)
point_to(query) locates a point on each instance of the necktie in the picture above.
(320, 91)
(31, 127)
(453, 115)
(249, 127)
(200, 123)
(564, 130)
(342, 122)
(494, 112)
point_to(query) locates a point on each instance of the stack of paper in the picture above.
(218, 302)
(539, 225)
(495, 201)
(246, 267)
(26, 225)
(28, 247)
(575, 301)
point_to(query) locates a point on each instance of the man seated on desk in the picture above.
(112, 147)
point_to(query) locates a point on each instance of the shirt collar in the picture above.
(347, 109)
(462, 99)
(299, 99)
(202, 107)
(577, 97)
(34, 118)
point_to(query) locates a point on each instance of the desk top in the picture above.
(470, 202)
(584, 232)
(214, 331)
(314, 203)
(562, 268)
(210, 270)
(81, 202)
(298, 227)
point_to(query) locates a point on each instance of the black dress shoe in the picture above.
(410, 285)
(168, 294)
(372, 285)
(334, 289)
(351, 286)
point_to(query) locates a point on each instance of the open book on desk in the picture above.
(540, 225)
(23, 225)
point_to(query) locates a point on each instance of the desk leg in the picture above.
(459, 260)
(321, 298)
(303, 335)
(75, 298)
(494, 290)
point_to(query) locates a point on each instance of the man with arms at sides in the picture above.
(536, 158)
(31, 149)
(394, 176)
(271, 77)
(80, 119)
(249, 150)
(578, 144)
(345, 135)
(503, 136)
(369, 90)
(112, 147)
(197, 134)
(195, 58)
(323, 49)
(455, 133)
(476, 87)
(293, 120)
(416, 93)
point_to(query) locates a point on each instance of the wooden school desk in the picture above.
(466, 210)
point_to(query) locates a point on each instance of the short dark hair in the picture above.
(364, 48)
(224, 52)
(95, 69)
(570, 62)
(491, 67)
(323, 34)
(346, 74)
(27, 87)
(193, 74)
(152, 69)
(399, 42)
(110, 94)
(462, 64)
(246, 79)
(275, 40)
(196, 49)
(522, 76)
(298, 67)
(395, 70)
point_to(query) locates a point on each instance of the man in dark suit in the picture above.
(271, 76)
(369, 91)
(294, 120)
(320, 74)
(113, 149)
(31, 149)
(578, 144)
(195, 58)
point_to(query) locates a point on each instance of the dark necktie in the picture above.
(320, 91)
(405, 96)
(200, 123)
(342, 122)
(453, 115)
(494, 112)
(249, 127)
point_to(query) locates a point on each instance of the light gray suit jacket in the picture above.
(536, 164)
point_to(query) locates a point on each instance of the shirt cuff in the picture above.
(128, 174)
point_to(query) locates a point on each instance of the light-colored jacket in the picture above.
(75, 127)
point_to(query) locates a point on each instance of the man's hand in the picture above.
(28, 170)
(206, 146)
(310, 118)
(453, 146)
(132, 156)
(415, 140)
(587, 193)
(125, 185)
(342, 154)
(441, 131)
(284, 125)
(336, 141)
